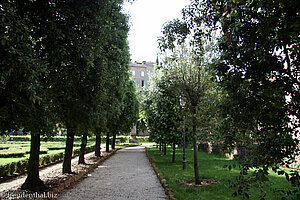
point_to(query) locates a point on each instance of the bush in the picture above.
(45, 160)
(55, 157)
(59, 139)
(123, 139)
(21, 166)
(141, 139)
(12, 167)
(4, 170)
(41, 152)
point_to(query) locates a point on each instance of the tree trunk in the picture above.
(165, 149)
(33, 181)
(113, 143)
(98, 145)
(82, 149)
(174, 150)
(69, 150)
(160, 146)
(196, 160)
(137, 128)
(107, 142)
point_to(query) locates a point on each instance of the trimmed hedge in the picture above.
(11, 155)
(56, 148)
(41, 152)
(25, 138)
(21, 166)
(141, 139)
(4, 169)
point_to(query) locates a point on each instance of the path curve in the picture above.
(126, 175)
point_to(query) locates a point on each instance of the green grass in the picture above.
(211, 167)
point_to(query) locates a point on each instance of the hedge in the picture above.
(26, 138)
(41, 152)
(21, 166)
(4, 169)
(56, 148)
(141, 139)
(11, 155)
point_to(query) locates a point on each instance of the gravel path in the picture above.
(126, 175)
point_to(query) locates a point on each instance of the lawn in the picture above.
(211, 167)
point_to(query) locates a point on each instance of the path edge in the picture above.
(80, 174)
(162, 180)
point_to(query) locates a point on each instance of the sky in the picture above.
(146, 21)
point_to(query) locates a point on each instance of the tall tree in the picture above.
(23, 74)
(192, 81)
(259, 68)
(162, 112)
(128, 112)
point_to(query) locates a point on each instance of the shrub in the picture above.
(12, 167)
(11, 155)
(141, 139)
(76, 151)
(60, 155)
(21, 166)
(4, 170)
(46, 160)
(123, 139)
(41, 152)
(55, 157)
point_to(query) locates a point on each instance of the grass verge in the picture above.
(211, 167)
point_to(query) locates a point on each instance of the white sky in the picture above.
(146, 20)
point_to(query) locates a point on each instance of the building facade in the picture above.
(141, 72)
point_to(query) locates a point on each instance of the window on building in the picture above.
(142, 83)
(142, 73)
(133, 73)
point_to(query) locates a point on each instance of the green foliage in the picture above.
(175, 32)
(129, 109)
(142, 139)
(161, 111)
(21, 164)
(22, 72)
(4, 170)
(258, 68)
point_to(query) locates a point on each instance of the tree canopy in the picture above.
(256, 63)
(62, 62)
(258, 68)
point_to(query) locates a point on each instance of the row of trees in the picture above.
(235, 64)
(64, 64)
